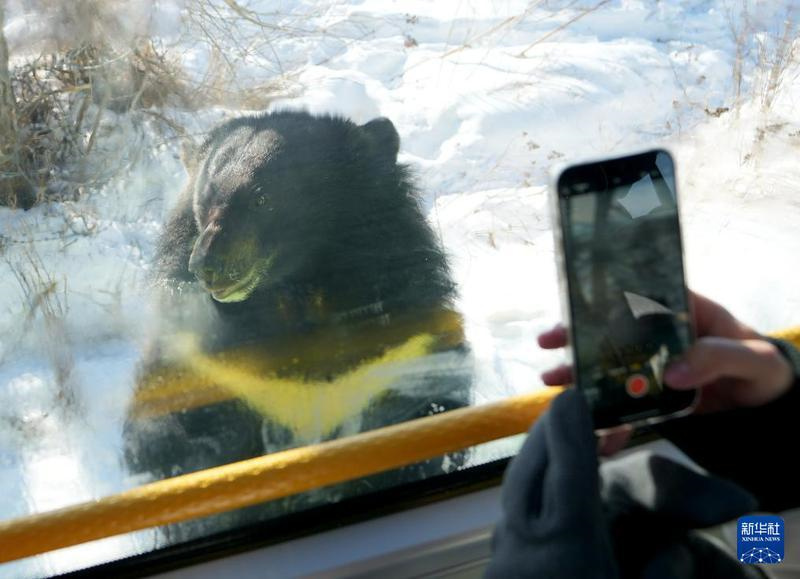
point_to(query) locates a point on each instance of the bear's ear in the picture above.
(383, 137)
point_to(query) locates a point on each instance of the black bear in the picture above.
(306, 298)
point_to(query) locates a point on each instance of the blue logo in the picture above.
(760, 539)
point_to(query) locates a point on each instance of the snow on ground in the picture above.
(487, 98)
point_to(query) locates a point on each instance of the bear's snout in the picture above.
(202, 262)
(228, 266)
(204, 269)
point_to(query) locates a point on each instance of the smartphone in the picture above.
(618, 242)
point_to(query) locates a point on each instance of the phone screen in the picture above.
(628, 301)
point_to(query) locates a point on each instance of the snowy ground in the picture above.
(487, 97)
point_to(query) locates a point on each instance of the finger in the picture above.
(554, 338)
(611, 443)
(759, 372)
(558, 376)
(712, 319)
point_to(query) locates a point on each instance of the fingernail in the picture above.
(678, 374)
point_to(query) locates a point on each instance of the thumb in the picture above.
(756, 371)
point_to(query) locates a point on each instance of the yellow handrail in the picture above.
(270, 477)
(276, 475)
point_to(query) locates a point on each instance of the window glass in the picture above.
(233, 227)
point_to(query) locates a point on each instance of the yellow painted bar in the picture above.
(790, 334)
(270, 477)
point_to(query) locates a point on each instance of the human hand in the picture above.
(731, 364)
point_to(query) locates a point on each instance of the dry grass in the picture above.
(775, 57)
(55, 107)
(236, 37)
(45, 299)
(770, 55)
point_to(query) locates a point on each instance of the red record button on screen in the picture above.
(636, 385)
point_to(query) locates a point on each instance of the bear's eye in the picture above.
(261, 200)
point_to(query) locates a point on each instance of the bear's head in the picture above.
(278, 197)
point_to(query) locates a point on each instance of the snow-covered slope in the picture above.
(487, 97)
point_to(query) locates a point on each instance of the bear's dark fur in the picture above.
(299, 250)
